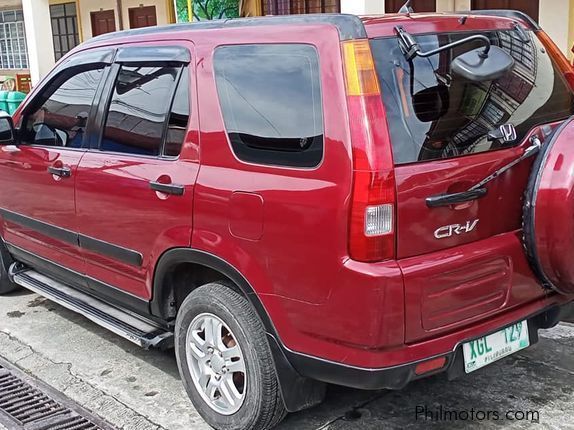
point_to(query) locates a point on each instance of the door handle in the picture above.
(10, 149)
(63, 172)
(174, 189)
(455, 198)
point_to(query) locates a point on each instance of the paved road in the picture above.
(141, 390)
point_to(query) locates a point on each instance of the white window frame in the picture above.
(13, 48)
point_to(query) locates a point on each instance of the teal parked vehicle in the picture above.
(10, 100)
(3, 100)
(13, 100)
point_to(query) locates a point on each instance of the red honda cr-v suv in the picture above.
(294, 201)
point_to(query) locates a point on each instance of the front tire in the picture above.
(225, 361)
(6, 285)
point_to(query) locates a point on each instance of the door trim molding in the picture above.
(116, 252)
(81, 282)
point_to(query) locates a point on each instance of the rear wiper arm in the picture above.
(528, 152)
(478, 191)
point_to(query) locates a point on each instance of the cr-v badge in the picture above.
(455, 229)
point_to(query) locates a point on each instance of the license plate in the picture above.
(488, 349)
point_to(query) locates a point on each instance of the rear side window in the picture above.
(433, 114)
(139, 109)
(270, 96)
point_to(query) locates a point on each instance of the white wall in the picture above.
(38, 38)
(452, 5)
(363, 7)
(555, 20)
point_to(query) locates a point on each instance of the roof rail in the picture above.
(349, 26)
(506, 13)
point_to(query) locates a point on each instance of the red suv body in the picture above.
(303, 162)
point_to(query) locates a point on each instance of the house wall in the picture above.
(555, 19)
(162, 9)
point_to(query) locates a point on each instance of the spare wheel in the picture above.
(549, 211)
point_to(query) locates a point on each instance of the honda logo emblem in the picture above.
(508, 132)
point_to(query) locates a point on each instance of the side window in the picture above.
(178, 117)
(61, 112)
(138, 109)
(270, 96)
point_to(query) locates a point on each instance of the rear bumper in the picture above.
(399, 376)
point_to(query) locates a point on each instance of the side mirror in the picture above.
(477, 66)
(6, 129)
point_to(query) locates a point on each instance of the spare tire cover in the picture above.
(549, 211)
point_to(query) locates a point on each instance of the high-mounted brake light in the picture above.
(372, 219)
(559, 59)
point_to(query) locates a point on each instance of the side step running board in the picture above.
(138, 330)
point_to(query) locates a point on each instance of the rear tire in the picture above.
(6, 285)
(211, 323)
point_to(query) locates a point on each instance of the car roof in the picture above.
(349, 26)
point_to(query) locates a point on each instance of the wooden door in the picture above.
(530, 7)
(393, 6)
(143, 16)
(103, 21)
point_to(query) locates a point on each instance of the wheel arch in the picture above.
(297, 391)
(163, 295)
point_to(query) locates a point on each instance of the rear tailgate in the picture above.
(463, 262)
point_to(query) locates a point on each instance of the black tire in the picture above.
(6, 285)
(263, 406)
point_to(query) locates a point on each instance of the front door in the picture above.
(143, 16)
(134, 188)
(103, 21)
(37, 177)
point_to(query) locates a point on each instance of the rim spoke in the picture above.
(229, 391)
(213, 331)
(236, 366)
(197, 352)
(197, 341)
(229, 353)
(211, 388)
(204, 379)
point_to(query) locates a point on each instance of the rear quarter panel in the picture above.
(290, 240)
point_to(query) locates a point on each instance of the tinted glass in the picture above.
(178, 117)
(270, 96)
(138, 110)
(64, 108)
(441, 115)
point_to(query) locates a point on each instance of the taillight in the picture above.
(372, 219)
(559, 59)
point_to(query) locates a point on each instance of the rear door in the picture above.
(462, 262)
(134, 187)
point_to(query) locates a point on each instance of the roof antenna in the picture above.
(406, 8)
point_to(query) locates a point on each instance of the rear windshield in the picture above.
(433, 114)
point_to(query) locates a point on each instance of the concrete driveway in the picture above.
(136, 389)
